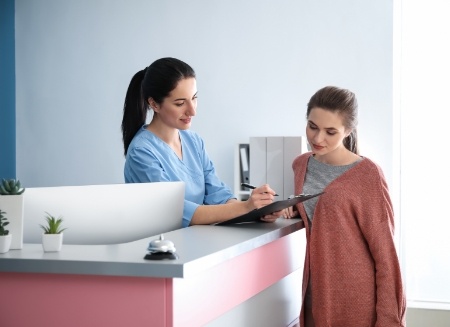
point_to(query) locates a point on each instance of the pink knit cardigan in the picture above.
(355, 273)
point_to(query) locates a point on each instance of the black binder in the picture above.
(256, 214)
(244, 156)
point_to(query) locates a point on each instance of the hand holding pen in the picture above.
(252, 187)
(260, 199)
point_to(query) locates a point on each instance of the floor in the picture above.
(422, 318)
(427, 318)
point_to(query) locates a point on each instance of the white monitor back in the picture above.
(105, 214)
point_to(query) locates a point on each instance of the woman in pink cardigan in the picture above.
(352, 275)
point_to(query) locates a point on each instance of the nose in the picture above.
(318, 137)
(191, 108)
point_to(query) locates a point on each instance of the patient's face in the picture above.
(325, 131)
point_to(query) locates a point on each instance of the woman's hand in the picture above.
(287, 213)
(290, 212)
(272, 217)
(264, 195)
(260, 197)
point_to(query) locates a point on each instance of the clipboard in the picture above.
(256, 214)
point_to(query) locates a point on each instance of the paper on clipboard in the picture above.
(256, 214)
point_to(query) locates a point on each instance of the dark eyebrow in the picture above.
(326, 128)
(183, 99)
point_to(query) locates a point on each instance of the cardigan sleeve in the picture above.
(377, 226)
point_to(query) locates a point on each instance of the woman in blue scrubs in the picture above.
(166, 150)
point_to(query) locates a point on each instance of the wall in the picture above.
(7, 91)
(422, 90)
(257, 62)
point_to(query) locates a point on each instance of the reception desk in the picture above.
(219, 269)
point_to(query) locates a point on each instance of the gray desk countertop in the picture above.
(198, 248)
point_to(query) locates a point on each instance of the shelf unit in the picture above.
(270, 161)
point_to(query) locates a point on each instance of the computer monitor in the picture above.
(105, 214)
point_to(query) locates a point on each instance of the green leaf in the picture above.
(11, 187)
(3, 190)
(6, 185)
(53, 225)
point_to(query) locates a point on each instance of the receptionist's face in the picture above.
(180, 106)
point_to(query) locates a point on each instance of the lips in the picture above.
(186, 121)
(318, 147)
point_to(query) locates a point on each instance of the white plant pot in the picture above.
(5, 243)
(13, 206)
(52, 242)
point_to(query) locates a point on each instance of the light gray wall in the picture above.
(257, 63)
(422, 94)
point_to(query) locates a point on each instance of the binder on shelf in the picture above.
(293, 146)
(274, 165)
(244, 156)
(258, 161)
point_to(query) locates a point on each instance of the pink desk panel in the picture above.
(64, 300)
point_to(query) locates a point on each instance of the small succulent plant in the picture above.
(11, 187)
(53, 225)
(3, 223)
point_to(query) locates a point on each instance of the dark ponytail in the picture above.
(351, 142)
(134, 109)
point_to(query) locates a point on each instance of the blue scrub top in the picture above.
(150, 159)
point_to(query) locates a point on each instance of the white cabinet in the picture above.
(270, 161)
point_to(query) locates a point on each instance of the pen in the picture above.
(252, 187)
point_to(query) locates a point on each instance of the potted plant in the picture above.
(5, 237)
(11, 200)
(53, 233)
